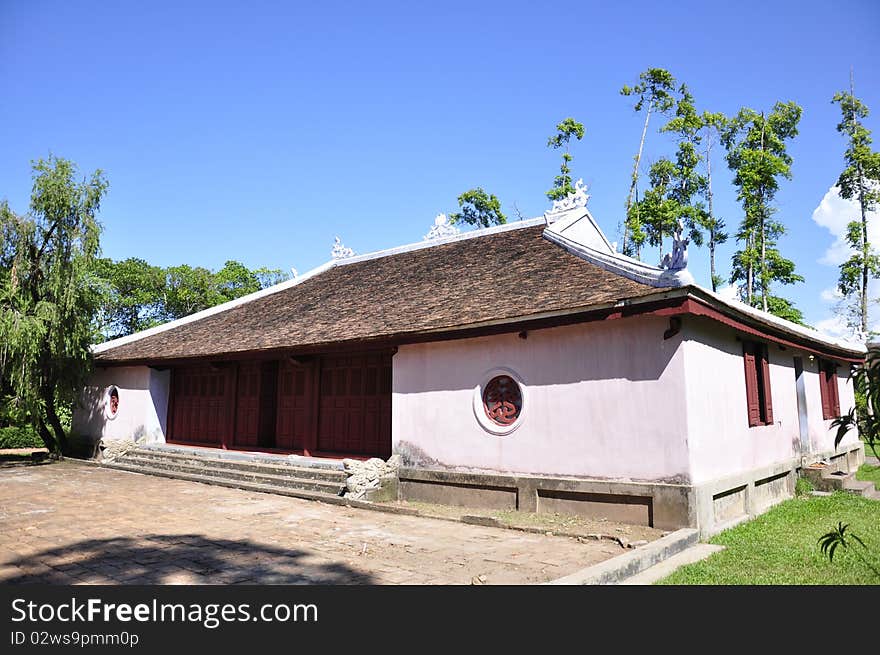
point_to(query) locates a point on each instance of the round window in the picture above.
(111, 403)
(502, 400)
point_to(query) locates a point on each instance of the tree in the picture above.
(478, 208)
(188, 290)
(49, 295)
(658, 212)
(562, 184)
(269, 277)
(654, 92)
(235, 280)
(712, 128)
(133, 299)
(676, 186)
(859, 181)
(757, 155)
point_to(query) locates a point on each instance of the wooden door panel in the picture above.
(247, 423)
(202, 405)
(354, 400)
(295, 413)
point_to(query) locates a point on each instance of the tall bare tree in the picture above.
(859, 181)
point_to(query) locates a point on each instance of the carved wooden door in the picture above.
(355, 404)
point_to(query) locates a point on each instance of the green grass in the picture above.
(870, 473)
(780, 547)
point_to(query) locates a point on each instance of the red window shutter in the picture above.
(834, 398)
(751, 387)
(824, 391)
(768, 397)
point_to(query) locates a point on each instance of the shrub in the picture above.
(20, 437)
(803, 487)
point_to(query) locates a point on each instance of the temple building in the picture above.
(525, 366)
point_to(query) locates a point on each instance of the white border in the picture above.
(107, 414)
(480, 412)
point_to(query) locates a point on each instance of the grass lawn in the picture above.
(780, 547)
(870, 473)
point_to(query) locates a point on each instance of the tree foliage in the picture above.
(654, 92)
(132, 298)
(860, 182)
(48, 295)
(478, 208)
(713, 125)
(565, 131)
(676, 186)
(138, 295)
(757, 155)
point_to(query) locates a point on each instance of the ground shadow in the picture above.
(187, 559)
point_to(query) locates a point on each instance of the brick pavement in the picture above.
(74, 523)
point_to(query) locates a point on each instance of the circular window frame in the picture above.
(107, 393)
(479, 409)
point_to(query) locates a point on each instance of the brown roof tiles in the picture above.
(505, 275)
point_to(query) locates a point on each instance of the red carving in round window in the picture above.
(502, 400)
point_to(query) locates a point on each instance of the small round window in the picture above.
(502, 400)
(112, 402)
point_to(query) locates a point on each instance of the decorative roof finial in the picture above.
(339, 251)
(678, 259)
(441, 228)
(578, 198)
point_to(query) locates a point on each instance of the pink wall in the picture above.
(721, 441)
(143, 404)
(602, 400)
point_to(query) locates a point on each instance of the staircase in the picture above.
(827, 479)
(302, 478)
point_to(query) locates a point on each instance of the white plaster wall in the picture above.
(143, 404)
(602, 400)
(720, 439)
(821, 434)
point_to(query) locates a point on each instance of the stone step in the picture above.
(239, 456)
(858, 487)
(271, 476)
(163, 459)
(248, 485)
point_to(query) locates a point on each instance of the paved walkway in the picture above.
(71, 523)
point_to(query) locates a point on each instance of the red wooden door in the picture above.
(355, 404)
(294, 428)
(202, 405)
(247, 420)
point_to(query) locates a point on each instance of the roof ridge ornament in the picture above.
(339, 251)
(577, 199)
(441, 228)
(678, 259)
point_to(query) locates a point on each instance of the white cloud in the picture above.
(831, 295)
(835, 327)
(834, 214)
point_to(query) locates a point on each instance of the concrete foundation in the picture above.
(709, 507)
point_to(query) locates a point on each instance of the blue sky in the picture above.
(258, 131)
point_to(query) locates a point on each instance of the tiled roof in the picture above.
(499, 276)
